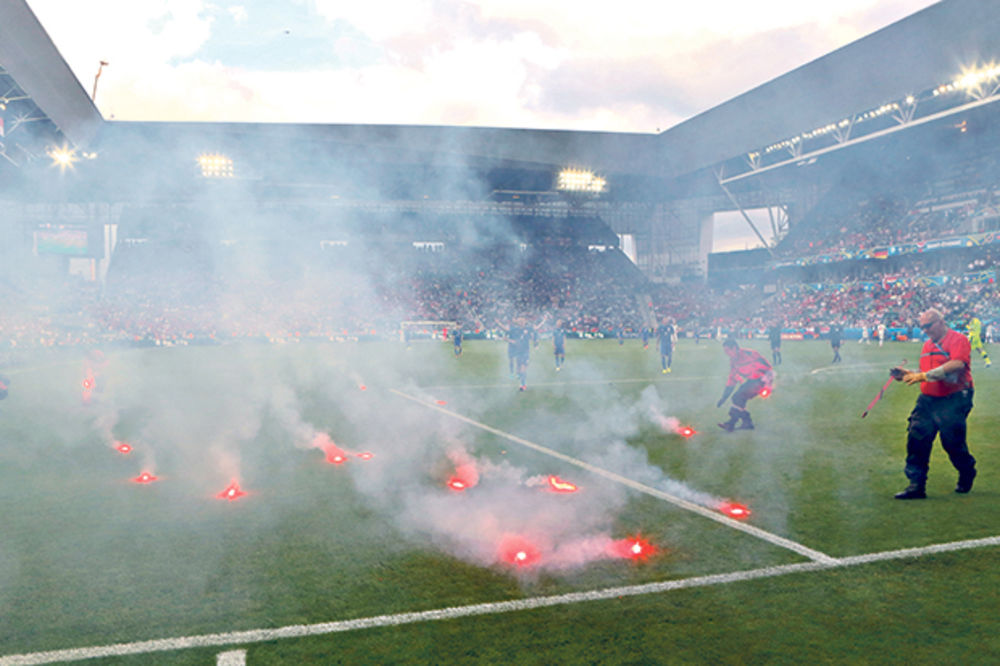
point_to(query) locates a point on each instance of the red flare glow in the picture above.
(441, 402)
(334, 454)
(88, 384)
(363, 387)
(365, 455)
(766, 391)
(232, 492)
(466, 476)
(557, 485)
(145, 477)
(686, 431)
(633, 548)
(123, 447)
(518, 551)
(734, 510)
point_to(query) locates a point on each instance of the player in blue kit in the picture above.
(665, 335)
(559, 345)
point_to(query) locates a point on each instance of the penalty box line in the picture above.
(455, 612)
(771, 538)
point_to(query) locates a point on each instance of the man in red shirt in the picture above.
(942, 408)
(753, 373)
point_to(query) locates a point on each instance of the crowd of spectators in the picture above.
(178, 291)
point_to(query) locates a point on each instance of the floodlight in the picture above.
(63, 157)
(214, 165)
(580, 180)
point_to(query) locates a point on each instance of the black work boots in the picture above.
(913, 491)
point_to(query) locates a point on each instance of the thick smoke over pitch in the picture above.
(218, 264)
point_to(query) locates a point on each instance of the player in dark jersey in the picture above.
(645, 337)
(559, 345)
(519, 337)
(836, 334)
(752, 373)
(456, 337)
(774, 336)
(665, 336)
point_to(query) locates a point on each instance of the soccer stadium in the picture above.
(279, 393)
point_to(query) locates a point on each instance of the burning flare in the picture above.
(518, 551)
(632, 548)
(145, 477)
(232, 492)
(734, 510)
(557, 485)
(466, 476)
(123, 447)
(686, 431)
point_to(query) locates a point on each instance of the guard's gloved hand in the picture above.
(914, 377)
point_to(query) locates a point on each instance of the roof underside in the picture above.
(914, 54)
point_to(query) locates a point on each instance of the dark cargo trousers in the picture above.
(930, 417)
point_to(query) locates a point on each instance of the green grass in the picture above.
(88, 558)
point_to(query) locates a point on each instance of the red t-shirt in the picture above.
(953, 346)
(748, 364)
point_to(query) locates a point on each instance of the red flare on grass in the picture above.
(88, 384)
(766, 391)
(632, 548)
(686, 431)
(557, 485)
(123, 447)
(466, 476)
(363, 387)
(365, 455)
(145, 477)
(232, 492)
(334, 454)
(441, 402)
(518, 551)
(734, 510)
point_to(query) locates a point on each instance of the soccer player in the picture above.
(559, 345)
(974, 329)
(753, 373)
(880, 332)
(774, 336)
(665, 335)
(836, 333)
(519, 336)
(456, 337)
(645, 337)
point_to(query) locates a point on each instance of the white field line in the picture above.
(454, 612)
(231, 658)
(641, 487)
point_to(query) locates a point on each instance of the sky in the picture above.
(629, 66)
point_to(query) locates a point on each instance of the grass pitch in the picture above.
(89, 558)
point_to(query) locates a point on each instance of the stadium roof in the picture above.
(914, 54)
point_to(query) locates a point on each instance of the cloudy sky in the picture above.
(630, 65)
